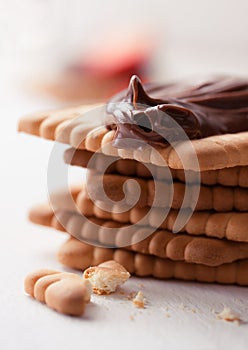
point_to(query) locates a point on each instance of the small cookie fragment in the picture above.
(64, 292)
(106, 277)
(139, 300)
(228, 315)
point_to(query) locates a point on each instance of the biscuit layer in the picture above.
(68, 126)
(78, 255)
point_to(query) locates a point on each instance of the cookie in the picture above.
(218, 198)
(44, 124)
(64, 292)
(79, 255)
(231, 225)
(214, 152)
(236, 176)
(161, 243)
(214, 117)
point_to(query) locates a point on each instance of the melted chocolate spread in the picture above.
(216, 107)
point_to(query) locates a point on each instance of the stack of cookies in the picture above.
(141, 180)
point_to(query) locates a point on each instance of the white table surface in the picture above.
(109, 322)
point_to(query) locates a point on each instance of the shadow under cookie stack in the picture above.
(212, 246)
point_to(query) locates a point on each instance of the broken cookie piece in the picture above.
(106, 277)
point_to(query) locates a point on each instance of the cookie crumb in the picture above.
(131, 317)
(167, 315)
(139, 300)
(182, 306)
(228, 315)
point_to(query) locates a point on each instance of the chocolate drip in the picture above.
(213, 108)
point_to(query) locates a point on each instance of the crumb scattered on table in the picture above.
(228, 315)
(182, 306)
(139, 300)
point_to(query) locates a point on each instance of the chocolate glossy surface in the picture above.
(150, 112)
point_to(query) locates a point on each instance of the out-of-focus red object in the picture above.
(117, 57)
(104, 70)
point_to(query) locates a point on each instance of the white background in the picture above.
(195, 37)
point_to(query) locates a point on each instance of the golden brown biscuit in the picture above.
(230, 225)
(214, 152)
(45, 123)
(78, 255)
(235, 176)
(218, 198)
(64, 292)
(161, 243)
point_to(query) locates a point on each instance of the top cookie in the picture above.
(168, 125)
